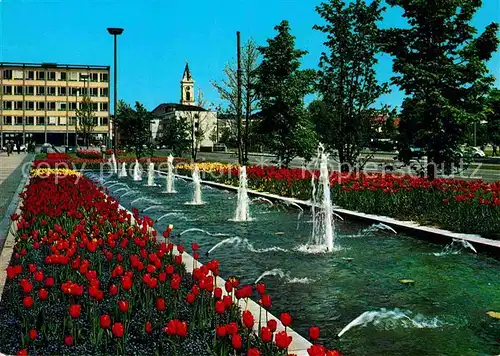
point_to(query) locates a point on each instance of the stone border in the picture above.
(444, 236)
(299, 344)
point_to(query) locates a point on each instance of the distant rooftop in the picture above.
(168, 107)
(52, 65)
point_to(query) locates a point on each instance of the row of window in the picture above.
(51, 75)
(51, 120)
(52, 91)
(52, 106)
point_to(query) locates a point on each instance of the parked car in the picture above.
(471, 151)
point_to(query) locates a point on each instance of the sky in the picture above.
(161, 35)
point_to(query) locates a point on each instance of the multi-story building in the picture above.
(38, 102)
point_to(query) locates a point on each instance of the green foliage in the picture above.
(441, 66)
(347, 78)
(175, 135)
(493, 116)
(281, 87)
(134, 125)
(85, 120)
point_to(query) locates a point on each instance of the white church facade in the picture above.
(199, 118)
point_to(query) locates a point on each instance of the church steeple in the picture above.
(187, 87)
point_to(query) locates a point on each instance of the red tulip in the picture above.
(113, 290)
(68, 340)
(28, 302)
(43, 294)
(316, 350)
(248, 319)
(178, 259)
(195, 246)
(228, 302)
(105, 321)
(333, 353)
(75, 310)
(170, 329)
(33, 334)
(236, 341)
(221, 331)
(220, 307)
(266, 301)
(123, 306)
(314, 333)
(286, 319)
(181, 328)
(26, 285)
(272, 324)
(118, 329)
(175, 282)
(261, 288)
(148, 328)
(266, 334)
(253, 352)
(169, 270)
(232, 328)
(126, 282)
(228, 286)
(282, 340)
(160, 304)
(38, 276)
(23, 352)
(218, 293)
(190, 298)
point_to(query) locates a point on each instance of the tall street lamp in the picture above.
(115, 32)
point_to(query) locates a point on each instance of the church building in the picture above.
(198, 117)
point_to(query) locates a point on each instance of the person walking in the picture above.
(495, 147)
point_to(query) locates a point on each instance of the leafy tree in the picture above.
(198, 126)
(493, 116)
(441, 66)
(281, 87)
(134, 125)
(347, 78)
(175, 135)
(85, 120)
(228, 91)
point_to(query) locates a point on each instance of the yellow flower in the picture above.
(40, 172)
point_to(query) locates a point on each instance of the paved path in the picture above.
(10, 177)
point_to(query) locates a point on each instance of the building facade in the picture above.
(38, 102)
(198, 117)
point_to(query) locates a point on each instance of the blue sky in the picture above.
(160, 35)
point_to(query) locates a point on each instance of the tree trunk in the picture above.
(431, 168)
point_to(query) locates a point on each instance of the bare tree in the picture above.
(228, 92)
(85, 120)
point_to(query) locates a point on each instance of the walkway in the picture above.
(11, 174)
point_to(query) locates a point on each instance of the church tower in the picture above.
(187, 87)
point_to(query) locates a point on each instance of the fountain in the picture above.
(151, 175)
(376, 317)
(114, 164)
(323, 232)
(242, 213)
(197, 187)
(137, 173)
(123, 172)
(274, 272)
(170, 175)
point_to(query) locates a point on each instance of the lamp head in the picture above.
(115, 30)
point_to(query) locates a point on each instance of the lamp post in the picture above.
(115, 32)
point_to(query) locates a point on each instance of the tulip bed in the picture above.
(453, 204)
(89, 153)
(87, 278)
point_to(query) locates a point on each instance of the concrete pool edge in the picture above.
(443, 236)
(299, 344)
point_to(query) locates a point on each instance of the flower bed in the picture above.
(453, 204)
(89, 154)
(86, 278)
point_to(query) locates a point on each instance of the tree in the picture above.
(281, 87)
(134, 125)
(347, 78)
(441, 66)
(228, 91)
(85, 120)
(175, 134)
(493, 116)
